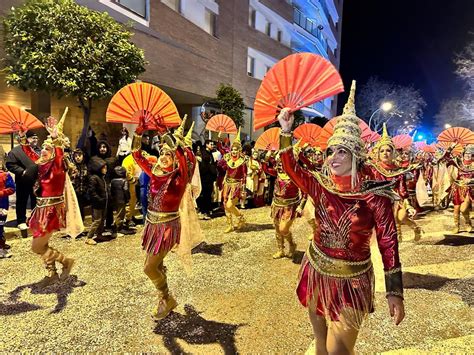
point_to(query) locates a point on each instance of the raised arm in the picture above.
(142, 162)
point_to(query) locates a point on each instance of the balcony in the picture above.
(309, 26)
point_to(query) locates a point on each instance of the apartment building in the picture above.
(194, 45)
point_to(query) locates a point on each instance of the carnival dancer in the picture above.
(255, 179)
(462, 188)
(234, 166)
(383, 167)
(336, 277)
(288, 204)
(169, 178)
(412, 175)
(49, 214)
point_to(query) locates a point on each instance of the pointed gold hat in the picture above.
(237, 141)
(347, 132)
(385, 140)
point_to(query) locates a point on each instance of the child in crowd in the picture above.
(99, 193)
(7, 188)
(120, 193)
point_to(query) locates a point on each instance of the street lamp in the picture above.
(447, 125)
(386, 106)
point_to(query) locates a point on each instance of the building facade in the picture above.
(194, 45)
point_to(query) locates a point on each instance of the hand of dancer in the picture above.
(52, 127)
(411, 212)
(396, 309)
(286, 120)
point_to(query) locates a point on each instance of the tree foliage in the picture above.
(459, 111)
(408, 105)
(231, 103)
(63, 48)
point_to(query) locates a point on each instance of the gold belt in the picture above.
(232, 181)
(328, 266)
(161, 217)
(284, 202)
(49, 201)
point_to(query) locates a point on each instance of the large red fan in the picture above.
(308, 133)
(13, 119)
(297, 81)
(269, 140)
(374, 137)
(402, 141)
(429, 148)
(328, 130)
(459, 135)
(143, 100)
(420, 145)
(445, 145)
(221, 123)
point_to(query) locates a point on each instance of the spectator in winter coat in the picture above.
(7, 188)
(105, 152)
(120, 193)
(99, 193)
(80, 180)
(21, 162)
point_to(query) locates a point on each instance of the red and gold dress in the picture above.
(163, 225)
(286, 196)
(235, 176)
(336, 272)
(49, 214)
(463, 185)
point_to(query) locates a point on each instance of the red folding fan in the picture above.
(374, 137)
(221, 123)
(429, 148)
(143, 100)
(269, 140)
(402, 141)
(445, 145)
(308, 133)
(420, 145)
(297, 81)
(13, 119)
(328, 130)
(459, 135)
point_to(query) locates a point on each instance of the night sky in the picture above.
(407, 42)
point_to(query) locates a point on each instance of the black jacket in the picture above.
(25, 170)
(207, 168)
(119, 187)
(111, 161)
(99, 189)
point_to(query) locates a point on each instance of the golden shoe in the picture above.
(291, 251)
(418, 233)
(67, 266)
(165, 306)
(241, 222)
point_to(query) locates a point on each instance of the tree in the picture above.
(63, 48)
(459, 111)
(408, 105)
(231, 103)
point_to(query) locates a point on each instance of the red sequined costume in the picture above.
(411, 178)
(286, 195)
(235, 170)
(49, 214)
(336, 271)
(163, 225)
(463, 185)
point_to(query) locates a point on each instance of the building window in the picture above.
(251, 66)
(210, 19)
(252, 17)
(268, 28)
(138, 7)
(279, 36)
(173, 4)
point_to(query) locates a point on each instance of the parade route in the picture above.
(235, 299)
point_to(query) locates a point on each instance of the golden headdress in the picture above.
(469, 149)
(385, 140)
(237, 141)
(347, 132)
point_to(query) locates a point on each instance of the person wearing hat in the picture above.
(21, 162)
(234, 168)
(336, 280)
(462, 187)
(384, 167)
(169, 178)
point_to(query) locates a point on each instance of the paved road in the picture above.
(235, 298)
